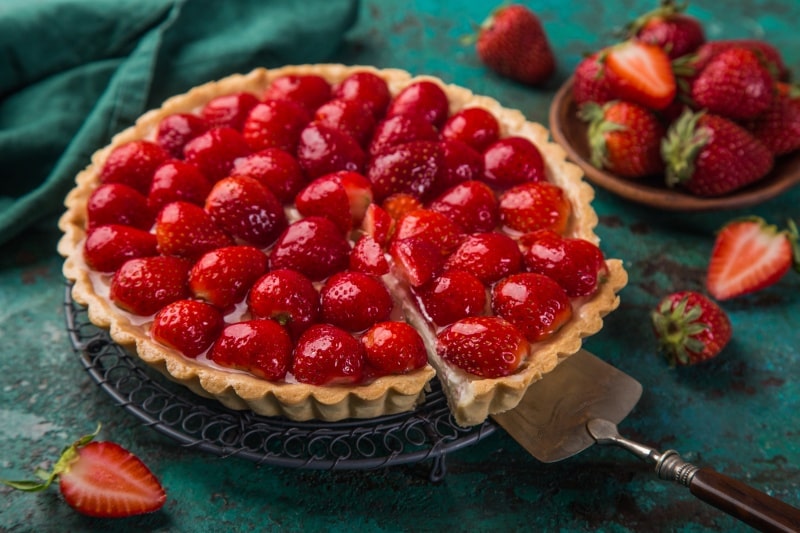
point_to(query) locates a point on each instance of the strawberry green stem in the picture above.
(681, 146)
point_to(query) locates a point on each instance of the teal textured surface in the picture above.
(739, 413)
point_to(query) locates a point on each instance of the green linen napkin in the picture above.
(74, 72)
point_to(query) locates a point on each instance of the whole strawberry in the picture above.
(625, 138)
(513, 43)
(778, 127)
(690, 328)
(670, 28)
(710, 155)
(590, 83)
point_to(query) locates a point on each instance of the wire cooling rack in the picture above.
(428, 433)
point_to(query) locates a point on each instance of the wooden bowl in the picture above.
(570, 132)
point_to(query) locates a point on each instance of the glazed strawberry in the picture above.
(461, 163)
(399, 204)
(214, 151)
(277, 169)
(488, 256)
(322, 150)
(535, 205)
(513, 43)
(624, 138)
(287, 297)
(750, 255)
(423, 98)
(261, 347)
(246, 210)
(471, 205)
(133, 164)
(177, 181)
(229, 110)
(393, 348)
(690, 328)
(342, 197)
(101, 479)
(474, 126)
(590, 83)
(378, 223)
(400, 129)
(188, 326)
(365, 87)
(576, 264)
(735, 85)
(187, 230)
(416, 260)
(413, 168)
(354, 301)
(669, 27)
(770, 55)
(431, 226)
(327, 355)
(308, 90)
(115, 203)
(641, 73)
(313, 246)
(711, 156)
(174, 131)
(778, 127)
(534, 303)
(452, 296)
(488, 347)
(223, 276)
(144, 285)
(351, 116)
(368, 257)
(107, 247)
(275, 124)
(511, 161)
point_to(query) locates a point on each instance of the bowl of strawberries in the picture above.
(672, 120)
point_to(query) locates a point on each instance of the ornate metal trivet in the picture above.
(427, 434)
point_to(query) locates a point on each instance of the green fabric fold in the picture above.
(75, 72)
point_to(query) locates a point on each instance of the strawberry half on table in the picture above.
(101, 479)
(750, 255)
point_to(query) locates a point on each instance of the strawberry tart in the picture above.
(320, 241)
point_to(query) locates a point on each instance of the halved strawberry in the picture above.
(474, 126)
(223, 276)
(424, 98)
(275, 124)
(327, 355)
(641, 73)
(115, 203)
(367, 256)
(452, 296)
(416, 260)
(512, 160)
(378, 223)
(107, 247)
(489, 256)
(187, 230)
(214, 151)
(287, 297)
(313, 246)
(400, 129)
(461, 163)
(535, 205)
(174, 131)
(189, 326)
(144, 285)
(342, 197)
(308, 90)
(261, 347)
(412, 167)
(275, 168)
(229, 110)
(177, 180)
(133, 164)
(246, 210)
(399, 204)
(430, 226)
(471, 205)
(489, 347)
(354, 301)
(534, 303)
(393, 348)
(749, 255)
(101, 479)
(322, 150)
(351, 116)
(690, 328)
(365, 87)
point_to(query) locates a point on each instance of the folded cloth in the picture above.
(74, 72)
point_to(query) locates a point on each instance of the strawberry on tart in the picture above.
(319, 241)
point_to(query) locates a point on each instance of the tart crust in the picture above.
(471, 400)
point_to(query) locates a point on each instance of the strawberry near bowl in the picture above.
(570, 131)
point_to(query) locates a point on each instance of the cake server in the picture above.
(581, 402)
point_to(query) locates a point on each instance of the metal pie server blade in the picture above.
(581, 402)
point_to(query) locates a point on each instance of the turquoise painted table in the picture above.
(738, 413)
